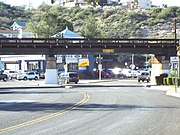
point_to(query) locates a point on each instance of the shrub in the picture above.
(170, 81)
(159, 80)
(178, 81)
(165, 81)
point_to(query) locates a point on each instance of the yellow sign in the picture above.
(108, 50)
(178, 48)
(178, 53)
(83, 63)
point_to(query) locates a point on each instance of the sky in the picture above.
(36, 3)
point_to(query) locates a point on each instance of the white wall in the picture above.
(145, 3)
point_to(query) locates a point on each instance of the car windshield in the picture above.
(73, 75)
(144, 74)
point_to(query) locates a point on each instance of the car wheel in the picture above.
(5, 79)
(66, 81)
(76, 82)
(139, 80)
(25, 78)
(36, 78)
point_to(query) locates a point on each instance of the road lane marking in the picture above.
(38, 120)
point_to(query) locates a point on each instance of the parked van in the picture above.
(68, 77)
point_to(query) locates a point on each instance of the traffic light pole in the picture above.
(100, 67)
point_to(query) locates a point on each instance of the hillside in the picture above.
(9, 14)
(112, 22)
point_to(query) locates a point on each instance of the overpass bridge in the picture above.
(54, 46)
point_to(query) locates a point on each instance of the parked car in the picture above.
(144, 76)
(41, 73)
(11, 74)
(3, 76)
(111, 73)
(103, 74)
(133, 74)
(69, 77)
(28, 75)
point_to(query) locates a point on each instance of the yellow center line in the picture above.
(31, 122)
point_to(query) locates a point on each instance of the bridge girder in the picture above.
(51, 46)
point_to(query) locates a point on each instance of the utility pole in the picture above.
(146, 61)
(175, 37)
(175, 33)
(176, 66)
(132, 65)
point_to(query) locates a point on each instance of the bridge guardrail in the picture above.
(15, 42)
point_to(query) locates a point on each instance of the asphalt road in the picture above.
(121, 107)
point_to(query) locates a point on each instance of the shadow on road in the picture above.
(35, 106)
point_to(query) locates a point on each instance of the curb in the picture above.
(31, 87)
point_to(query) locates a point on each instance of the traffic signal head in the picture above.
(53, 1)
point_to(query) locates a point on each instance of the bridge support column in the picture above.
(159, 65)
(51, 75)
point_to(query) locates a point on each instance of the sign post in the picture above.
(175, 61)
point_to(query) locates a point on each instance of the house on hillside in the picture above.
(21, 62)
(143, 4)
(17, 25)
(66, 33)
(71, 3)
(20, 28)
(139, 4)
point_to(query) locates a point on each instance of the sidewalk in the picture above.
(174, 93)
(170, 91)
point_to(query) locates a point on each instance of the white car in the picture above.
(28, 75)
(11, 74)
(133, 74)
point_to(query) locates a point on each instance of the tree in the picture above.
(47, 25)
(90, 27)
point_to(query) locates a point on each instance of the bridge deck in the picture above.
(83, 44)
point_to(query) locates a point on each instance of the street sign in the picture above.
(132, 66)
(108, 50)
(174, 59)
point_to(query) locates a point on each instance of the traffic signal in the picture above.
(52, 1)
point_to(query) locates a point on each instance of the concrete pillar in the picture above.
(39, 65)
(92, 61)
(20, 68)
(159, 65)
(51, 75)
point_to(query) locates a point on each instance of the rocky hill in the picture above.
(113, 22)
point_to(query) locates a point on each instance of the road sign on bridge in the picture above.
(174, 59)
